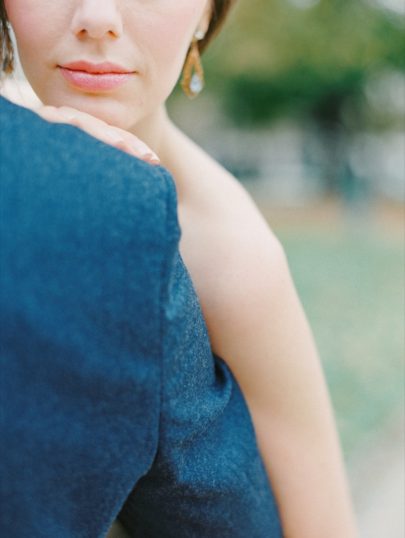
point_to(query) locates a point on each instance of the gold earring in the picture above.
(193, 73)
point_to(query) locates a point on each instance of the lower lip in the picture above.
(95, 81)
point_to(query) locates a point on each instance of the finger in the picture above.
(140, 151)
(93, 126)
(81, 119)
(49, 113)
(114, 136)
(139, 148)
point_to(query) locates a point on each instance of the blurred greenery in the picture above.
(276, 59)
(352, 289)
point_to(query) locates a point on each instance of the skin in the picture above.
(258, 327)
(149, 37)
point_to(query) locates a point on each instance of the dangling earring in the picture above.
(192, 81)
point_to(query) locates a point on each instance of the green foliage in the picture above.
(275, 59)
(303, 90)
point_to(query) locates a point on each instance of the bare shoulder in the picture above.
(237, 263)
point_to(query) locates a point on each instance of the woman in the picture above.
(109, 66)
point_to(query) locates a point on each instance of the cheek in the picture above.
(33, 34)
(166, 40)
(20, 17)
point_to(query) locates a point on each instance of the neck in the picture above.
(165, 139)
(152, 129)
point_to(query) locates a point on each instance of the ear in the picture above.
(205, 20)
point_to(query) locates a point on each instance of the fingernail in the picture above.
(151, 157)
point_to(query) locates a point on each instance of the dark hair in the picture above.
(220, 10)
(6, 46)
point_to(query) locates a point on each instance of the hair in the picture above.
(6, 45)
(220, 9)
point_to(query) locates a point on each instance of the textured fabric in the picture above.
(208, 478)
(111, 399)
(86, 240)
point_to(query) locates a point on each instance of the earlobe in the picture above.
(205, 20)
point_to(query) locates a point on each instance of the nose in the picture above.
(97, 19)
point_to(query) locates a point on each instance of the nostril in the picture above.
(82, 34)
(95, 33)
(96, 24)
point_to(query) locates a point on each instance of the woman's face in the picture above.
(63, 45)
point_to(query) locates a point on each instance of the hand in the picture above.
(119, 138)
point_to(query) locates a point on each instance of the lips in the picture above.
(93, 77)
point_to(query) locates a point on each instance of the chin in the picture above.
(113, 113)
(118, 118)
(104, 107)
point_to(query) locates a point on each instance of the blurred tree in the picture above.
(277, 59)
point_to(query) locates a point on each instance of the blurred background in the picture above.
(305, 104)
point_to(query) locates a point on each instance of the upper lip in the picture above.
(96, 68)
